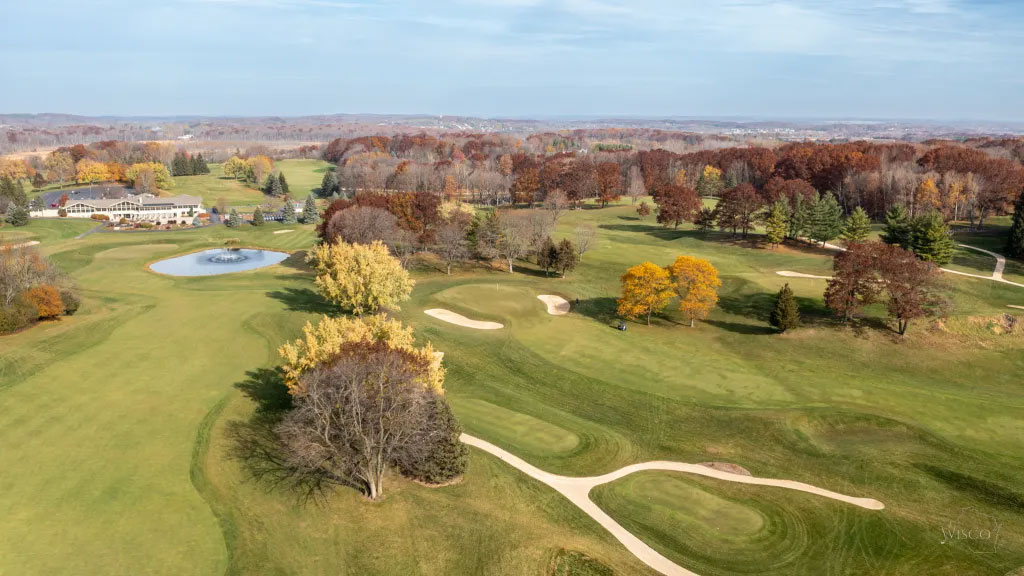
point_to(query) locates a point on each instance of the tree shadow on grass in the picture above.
(256, 445)
(603, 309)
(303, 300)
(743, 328)
(297, 261)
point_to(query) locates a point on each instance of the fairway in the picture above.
(117, 422)
(303, 177)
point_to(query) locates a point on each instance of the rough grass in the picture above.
(115, 422)
(302, 176)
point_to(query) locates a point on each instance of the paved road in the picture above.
(577, 490)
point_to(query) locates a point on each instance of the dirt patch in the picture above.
(726, 467)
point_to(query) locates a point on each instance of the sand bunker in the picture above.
(283, 231)
(789, 274)
(557, 306)
(22, 245)
(1015, 306)
(460, 320)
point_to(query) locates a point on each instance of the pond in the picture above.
(218, 261)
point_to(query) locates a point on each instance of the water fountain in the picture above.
(218, 261)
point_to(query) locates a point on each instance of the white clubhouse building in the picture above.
(143, 207)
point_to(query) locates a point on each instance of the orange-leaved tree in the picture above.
(47, 300)
(646, 288)
(696, 282)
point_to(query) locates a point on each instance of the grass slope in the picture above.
(116, 422)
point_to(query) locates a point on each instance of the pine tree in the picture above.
(567, 256)
(786, 314)
(310, 213)
(17, 215)
(272, 187)
(857, 226)
(801, 215)
(234, 220)
(288, 213)
(827, 219)
(1015, 243)
(776, 223)
(329, 185)
(547, 255)
(38, 181)
(257, 217)
(930, 239)
(898, 229)
(200, 164)
(283, 183)
(705, 220)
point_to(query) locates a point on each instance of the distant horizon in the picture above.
(539, 117)
(945, 60)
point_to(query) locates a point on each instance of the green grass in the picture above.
(302, 175)
(116, 422)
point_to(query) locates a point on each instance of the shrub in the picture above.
(71, 301)
(102, 217)
(145, 225)
(18, 315)
(122, 221)
(443, 457)
(47, 300)
(62, 213)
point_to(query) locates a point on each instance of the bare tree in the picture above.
(363, 413)
(516, 233)
(362, 225)
(556, 203)
(23, 268)
(585, 235)
(451, 244)
(635, 184)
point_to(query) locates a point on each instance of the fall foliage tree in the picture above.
(91, 171)
(360, 278)
(46, 299)
(321, 342)
(144, 175)
(854, 282)
(646, 289)
(677, 204)
(609, 182)
(710, 183)
(911, 285)
(738, 208)
(927, 197)
(697, 283)
(567, 257)
(705, 220)
(643, 210)
(60, 165)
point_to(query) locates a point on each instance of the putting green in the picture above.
(512, 427)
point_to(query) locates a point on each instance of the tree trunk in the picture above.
(449, 268)
(691, 321)
(510, 266)
(648, 317)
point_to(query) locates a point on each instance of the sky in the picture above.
(897, 59)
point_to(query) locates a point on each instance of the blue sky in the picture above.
(941, 59)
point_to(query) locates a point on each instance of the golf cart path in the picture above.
(997, 273)
(577, 490)
(557, 306)
(460, 320)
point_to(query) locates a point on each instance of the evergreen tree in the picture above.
(310, 213)
(288, 213)
(17, 215)
(329, 184)
(827, 219)
(567, 257)
(196, 221)
(1015, 243)
(857, 226)
(234, 220)
(272, 187)
(800, 215)
(898, 229)
(38, 181)
(257, 217)
(930, 239)
(786, 314)
(705, 220)
(777, 223)
(547, 255)
(38, 203)
(283, 183)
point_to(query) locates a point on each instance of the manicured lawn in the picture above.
(302, 176)
(117, 423)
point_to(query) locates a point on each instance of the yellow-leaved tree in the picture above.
(696, 281)
(360, 278)
(322, 342)
(91, 171)
(646, 289)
